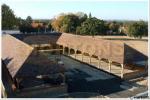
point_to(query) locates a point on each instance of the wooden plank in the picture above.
(51, 50)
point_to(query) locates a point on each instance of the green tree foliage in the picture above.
(144, 27)
(114, 26)
(22, 26)
(79, 23)
(90, 16)
(92, 26)
(82, 17)
(25, 25)
(9, 20)
(70, 22)
(66, 23)
(57, 23)
(38, 26)
(138, 29)
(50, 26)
(29, 20)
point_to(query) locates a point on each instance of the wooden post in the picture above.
(75, 54)
(122, 70)
(99, 62)
(90, 59)
(68, 51)
(82, 56)
(63, 50)
(110, 62)
(59, 51)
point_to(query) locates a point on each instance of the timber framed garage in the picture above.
(25, 64)
(130, 60)
(116, 52)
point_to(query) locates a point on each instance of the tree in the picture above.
(57, 22)
(82, 17)
(137, 29)
(144, 27)
(78, 29)
(65, 28)
(90, 16)
(28, 23)
(9, 20)
(92, 26)
(22, 25)
(66, 23)
(29, 20)
(105, 28)
(25, 25)
(50, 27)
(114, 26)
(70, 22)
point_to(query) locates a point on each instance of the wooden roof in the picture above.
(40, 39)
(14, 53)
(116, 51)
(94, 46)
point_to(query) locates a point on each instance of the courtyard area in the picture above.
(85, 81)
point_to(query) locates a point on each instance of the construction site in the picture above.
(73, 66)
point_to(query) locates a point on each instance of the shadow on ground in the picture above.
(77, 83)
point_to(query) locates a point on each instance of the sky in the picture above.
(104, 9)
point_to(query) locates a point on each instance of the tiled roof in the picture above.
(116, 51)
(14, 53)
(94, 46)
(40, 39)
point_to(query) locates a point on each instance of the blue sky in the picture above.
(108, 10)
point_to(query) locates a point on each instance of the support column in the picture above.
(110, 62)
(90, 59)
(68, 51)
(63, 50)
(99, 62)
(122, 70)
(59, 51)
(82, 56)
(50, 45)
(75, 54)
